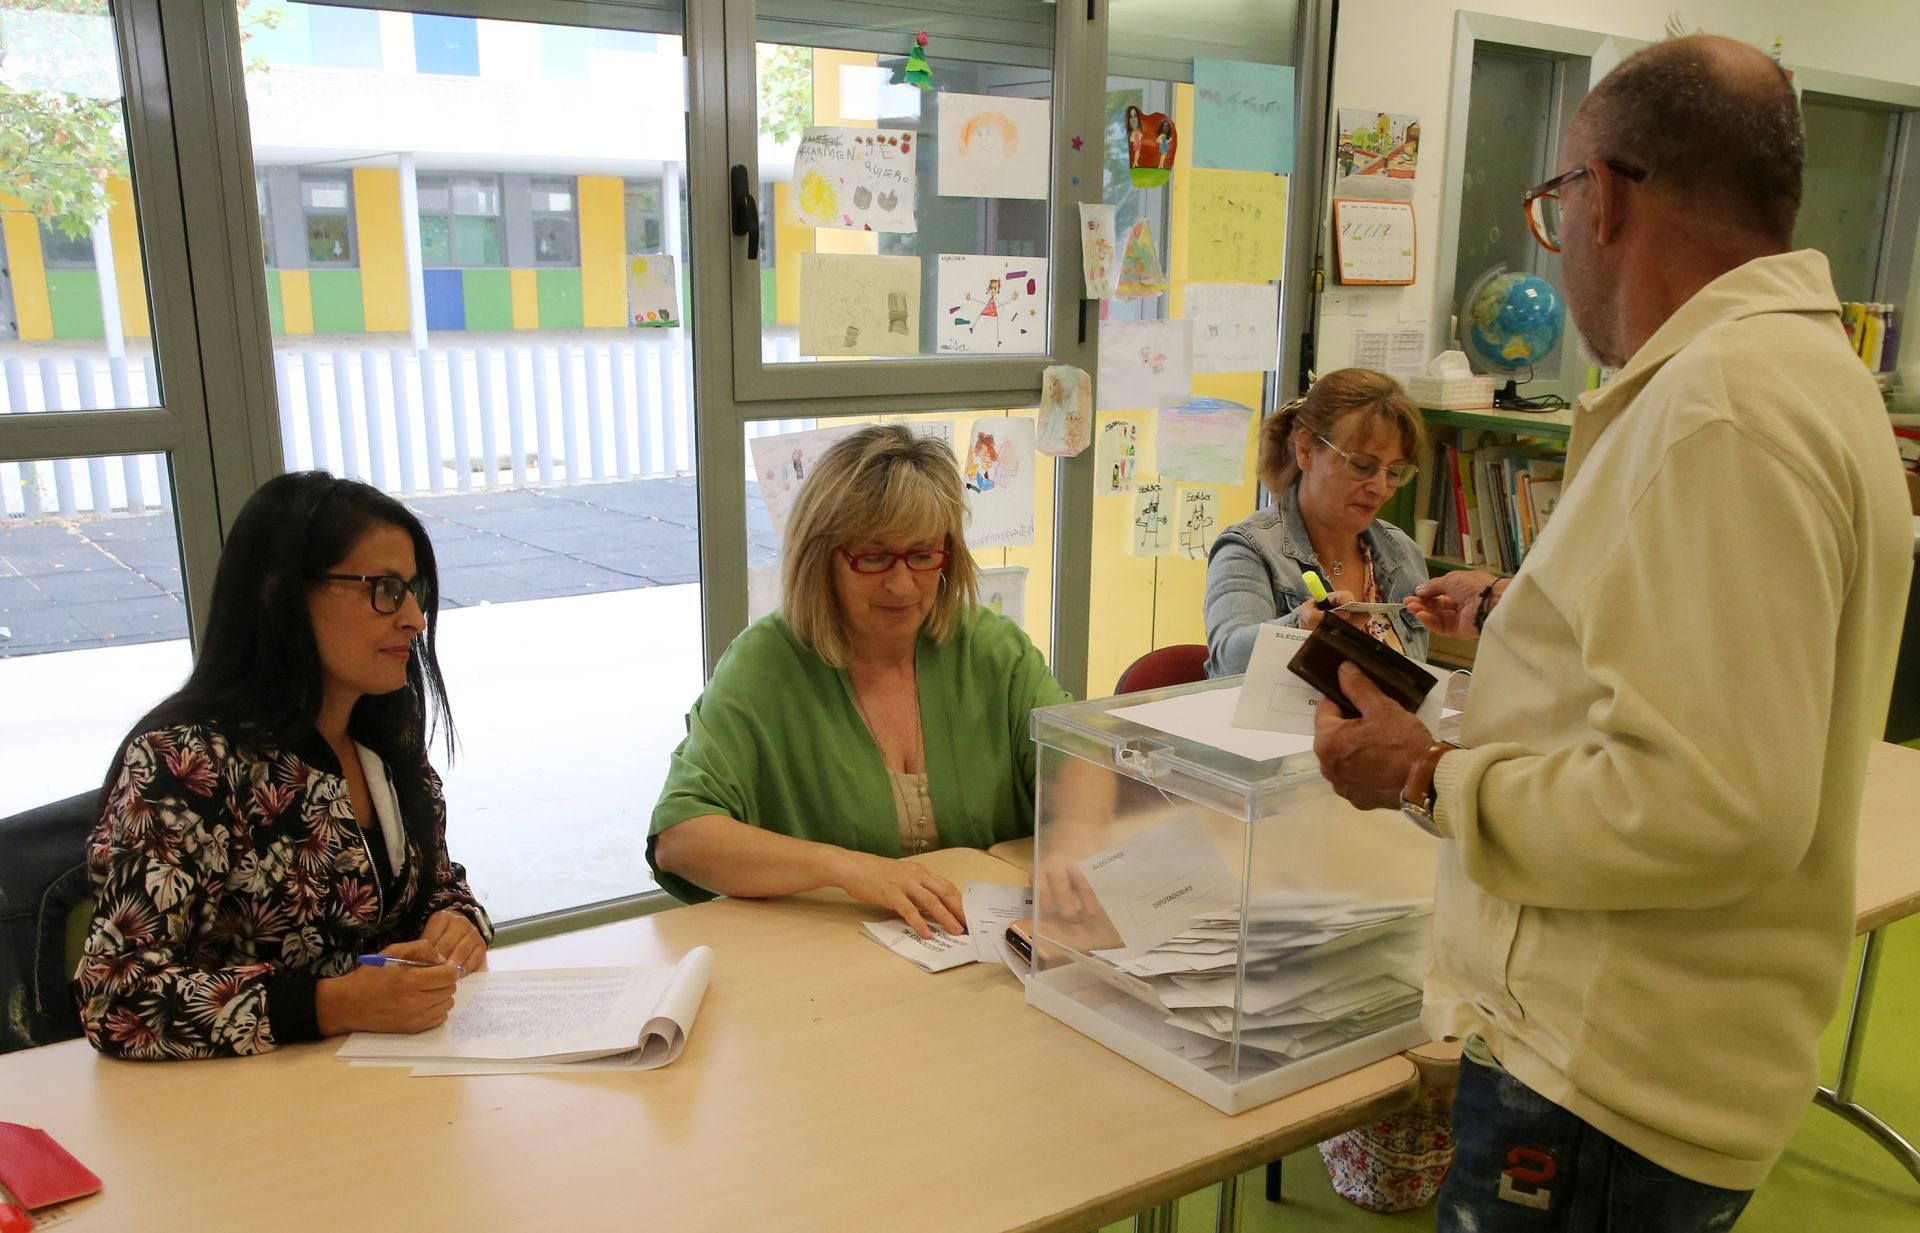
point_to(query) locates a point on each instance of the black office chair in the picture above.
(43, 885)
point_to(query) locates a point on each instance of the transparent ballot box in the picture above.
(1216, 915)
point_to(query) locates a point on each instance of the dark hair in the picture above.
(1319, 412)
(1706, 127)
(257, 677)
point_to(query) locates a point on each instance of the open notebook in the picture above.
(558, 1019)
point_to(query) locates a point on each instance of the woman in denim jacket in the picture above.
(1334, 457)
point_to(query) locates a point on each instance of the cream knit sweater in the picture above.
(1646, 904)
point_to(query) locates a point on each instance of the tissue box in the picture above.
(1451, 393)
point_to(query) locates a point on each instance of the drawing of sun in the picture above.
(990, 132)
(817, 197)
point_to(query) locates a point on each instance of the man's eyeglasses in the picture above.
(1366, 466)
(387, 592)
(919, 560)
(1542, 203)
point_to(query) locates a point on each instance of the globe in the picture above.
(1511, 322)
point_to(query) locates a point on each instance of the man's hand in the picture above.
(1446, 605)
(1367, 759)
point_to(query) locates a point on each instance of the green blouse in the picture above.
(777, 742)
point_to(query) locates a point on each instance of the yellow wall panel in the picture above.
(525, 288)
(383, 250)
(1142, 603)
(790, 239)
(603, 258)
(28, 267)
(129, 270)
(296, 301)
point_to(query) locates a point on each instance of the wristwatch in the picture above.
(1416, 799)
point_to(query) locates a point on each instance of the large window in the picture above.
(66, 252)
(326, 204)
(1843, 207)
(556, 220)
(460, 220)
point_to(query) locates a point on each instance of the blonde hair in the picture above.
(1319, 413)
(879, 483)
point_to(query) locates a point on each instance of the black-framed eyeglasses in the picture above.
(1542, 202)
(1366, 466)
(919, 560)
(386, 592)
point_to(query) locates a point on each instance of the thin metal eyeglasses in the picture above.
(1542, 202)
(1366, 466)
(919, 560)
(386, 592)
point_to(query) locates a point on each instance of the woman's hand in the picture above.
(1447, 604)
(455, 937)
(915, 893)
(1309, 614)
(388, 999)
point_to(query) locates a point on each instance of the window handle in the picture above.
(746, 212)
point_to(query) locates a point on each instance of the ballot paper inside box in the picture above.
(1224, 921)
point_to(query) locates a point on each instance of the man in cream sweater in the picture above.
(1646, 900)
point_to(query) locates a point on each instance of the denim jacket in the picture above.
(1254, 576)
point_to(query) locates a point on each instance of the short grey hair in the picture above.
(1711, 121)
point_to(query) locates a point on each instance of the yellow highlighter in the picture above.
(1317, 589)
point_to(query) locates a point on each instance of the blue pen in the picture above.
(394, 961)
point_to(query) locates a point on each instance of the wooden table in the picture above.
(1886, 889)
(827, 1085)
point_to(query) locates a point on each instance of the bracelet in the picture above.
(1486, 607)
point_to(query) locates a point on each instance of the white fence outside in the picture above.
(444, 419)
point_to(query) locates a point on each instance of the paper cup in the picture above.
(1424, 529)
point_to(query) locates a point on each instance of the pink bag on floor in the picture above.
(1397, 1163)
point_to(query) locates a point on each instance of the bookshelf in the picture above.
(1547, 425)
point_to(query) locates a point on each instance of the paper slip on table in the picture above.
(827, 1084)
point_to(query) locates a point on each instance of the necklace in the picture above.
(918, 838)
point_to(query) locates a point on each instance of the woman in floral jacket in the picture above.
(276, 817)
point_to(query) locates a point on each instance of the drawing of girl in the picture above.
(982, 461)
(1166, 144)
(1136, 136)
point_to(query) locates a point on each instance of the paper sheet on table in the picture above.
(990, 908)
(1207, 717)
(557, 1019)
(936, 954)
(1151, 885)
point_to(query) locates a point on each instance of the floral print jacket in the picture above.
(229, 881)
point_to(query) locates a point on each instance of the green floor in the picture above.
(1832, 1176)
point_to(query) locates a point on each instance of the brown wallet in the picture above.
(1335, 641)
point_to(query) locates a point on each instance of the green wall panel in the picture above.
(337, 307)
(560, 303)
(73, 296)
(489, 298)
(276, 311)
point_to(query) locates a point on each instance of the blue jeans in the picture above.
(1522, 1164)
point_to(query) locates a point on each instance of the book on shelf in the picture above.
(1491, 501)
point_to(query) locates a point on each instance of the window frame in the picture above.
(449, 181)
(309, 212)
(539, 184)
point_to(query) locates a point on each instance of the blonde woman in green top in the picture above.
(879, 714)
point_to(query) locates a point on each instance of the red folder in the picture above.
(39, 1171)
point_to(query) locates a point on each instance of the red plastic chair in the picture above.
(1170, 665)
